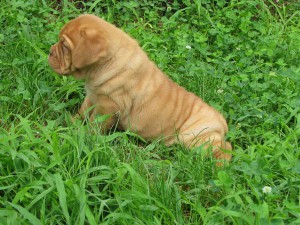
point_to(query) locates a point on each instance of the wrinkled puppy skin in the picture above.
(121, 80)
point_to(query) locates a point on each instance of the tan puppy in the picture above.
(121, 80)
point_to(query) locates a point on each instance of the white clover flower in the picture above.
(220, 91)
(188, 47)
(266, 189)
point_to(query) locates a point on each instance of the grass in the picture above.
(244, 60)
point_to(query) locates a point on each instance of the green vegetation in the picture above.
(244, 60)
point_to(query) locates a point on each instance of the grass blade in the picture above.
(62, 196)
(39, 197)
(29, 216)
(89, 215)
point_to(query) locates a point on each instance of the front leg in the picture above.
(90, 111)
(109, 122)
(84, 110)
(107, 125)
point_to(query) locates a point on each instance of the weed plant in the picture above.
(242, 57)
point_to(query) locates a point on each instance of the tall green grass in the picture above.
(243, 60)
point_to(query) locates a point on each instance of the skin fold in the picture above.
(120, 80)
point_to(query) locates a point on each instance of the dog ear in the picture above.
(90, 48)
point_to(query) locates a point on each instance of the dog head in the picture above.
(82, 43)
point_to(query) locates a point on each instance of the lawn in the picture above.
(242, 57)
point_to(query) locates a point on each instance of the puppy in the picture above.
(120, 80)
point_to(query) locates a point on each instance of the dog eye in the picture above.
(65, 48)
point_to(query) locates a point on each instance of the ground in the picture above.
(242, 57)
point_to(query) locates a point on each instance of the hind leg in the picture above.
(218, 147)
(213, 141)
